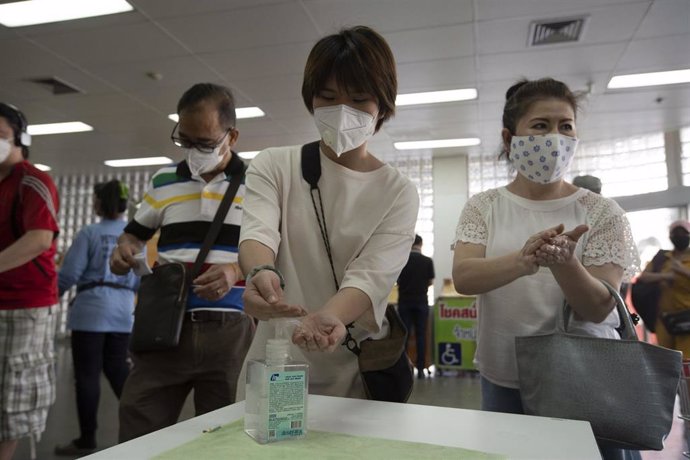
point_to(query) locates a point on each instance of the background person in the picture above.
(182, 201)
(350, 87)
(674, 279)
(101, 314)
(413, 300)
(28, 286)
(513, 251)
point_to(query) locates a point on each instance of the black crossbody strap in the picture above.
(311, 172)
(212, 235)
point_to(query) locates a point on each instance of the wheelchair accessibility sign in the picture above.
(455, 333)
(450, 354)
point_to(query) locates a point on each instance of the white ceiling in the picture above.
(259, 47)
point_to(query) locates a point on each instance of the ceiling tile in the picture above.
(242, 29)
(432, 43)
(388, 15)
(666, 17)
(113, 44)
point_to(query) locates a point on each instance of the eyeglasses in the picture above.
(201, 147)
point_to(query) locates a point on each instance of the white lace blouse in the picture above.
(502, 222)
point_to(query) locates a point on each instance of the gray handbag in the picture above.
(625, 388)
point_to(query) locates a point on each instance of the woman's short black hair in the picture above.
(360, 60)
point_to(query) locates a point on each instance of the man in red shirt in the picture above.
(28, 286)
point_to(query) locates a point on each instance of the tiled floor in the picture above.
(450, 390)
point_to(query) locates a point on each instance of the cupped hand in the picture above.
(319, 331)
(263, 298)
(527, 258)
(560, 249)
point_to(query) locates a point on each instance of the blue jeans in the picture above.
(496, 398)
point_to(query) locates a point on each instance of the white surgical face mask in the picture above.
(200, 163)
(343, 128)
(542, 158)
(5, 149)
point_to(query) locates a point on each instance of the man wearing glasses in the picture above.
(181, 202)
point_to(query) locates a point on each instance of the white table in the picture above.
(516, 436)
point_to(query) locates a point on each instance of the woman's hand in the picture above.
(319, 331)
(527, 257)
(263, 298)
(560, 248)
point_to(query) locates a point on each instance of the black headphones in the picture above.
(24, 138)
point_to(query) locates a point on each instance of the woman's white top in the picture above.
(370, 217)
(503, 221)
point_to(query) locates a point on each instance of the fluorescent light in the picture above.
(150, 161)
(249, 112)
(650, 79)
(437, 144)
(58, 128)
(32, 12)
(42, 167)
(240, 112)
(434, 97)
(249, 155)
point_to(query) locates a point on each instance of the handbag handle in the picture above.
(626, 329)
(213, 231)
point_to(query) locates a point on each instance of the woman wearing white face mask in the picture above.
(339, 249)
(513, 252)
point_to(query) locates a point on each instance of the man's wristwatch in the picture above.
(271, 268)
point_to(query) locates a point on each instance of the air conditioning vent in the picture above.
(552, 31)
(56, 85)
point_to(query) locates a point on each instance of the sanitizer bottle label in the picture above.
(286, 404)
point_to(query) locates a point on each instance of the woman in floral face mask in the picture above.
(330, 254)
(524, 248)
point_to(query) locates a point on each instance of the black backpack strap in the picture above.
(235, 182)
(311, 164)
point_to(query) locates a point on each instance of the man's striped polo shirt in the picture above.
(183, 207)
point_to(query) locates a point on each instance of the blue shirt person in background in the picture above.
(101, 315)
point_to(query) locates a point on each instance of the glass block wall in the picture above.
(76, 211)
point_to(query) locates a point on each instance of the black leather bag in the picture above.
(384, 366)
(161, 303)
(162, 296)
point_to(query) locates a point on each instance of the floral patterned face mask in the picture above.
(542, 158)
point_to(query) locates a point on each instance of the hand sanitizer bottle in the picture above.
(276, 393)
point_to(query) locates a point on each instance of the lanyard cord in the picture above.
(350, 343)
(321, 219)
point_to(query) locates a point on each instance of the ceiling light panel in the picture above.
(28, 13)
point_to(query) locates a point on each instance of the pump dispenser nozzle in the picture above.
(278, 349)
